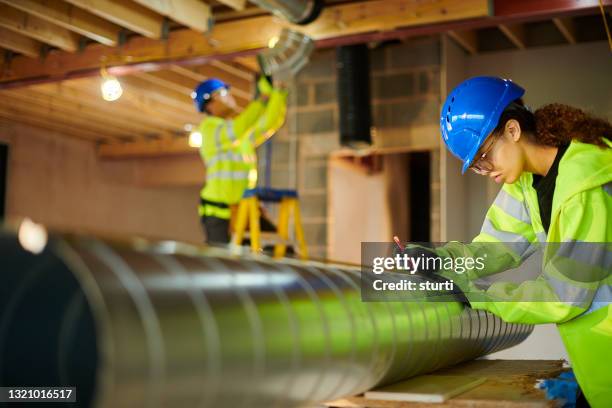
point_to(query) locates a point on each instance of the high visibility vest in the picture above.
(574, 288)
(228, 150)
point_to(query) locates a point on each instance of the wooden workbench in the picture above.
(509, 384)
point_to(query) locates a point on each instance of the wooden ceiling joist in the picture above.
(126, 14)
(191, 13)
(19, 43)
(234, 69)
(185, 84)
(87, 94)
(235, 4)
(179, 86)
(171, 102)
(567, 28)
(249, 62)
(71, 18)
(114, 123)
(466, 39)
(157, 111)
(188, 45)
(12, 114)
(240, 86)
(38, 29)
(170, 80)
(59, 115)
(142, 83)
(515, 33)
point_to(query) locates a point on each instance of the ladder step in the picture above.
(271, 237)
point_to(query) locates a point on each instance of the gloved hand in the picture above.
(564, 387)
(264, 86)
(422, 256)
(427, 258)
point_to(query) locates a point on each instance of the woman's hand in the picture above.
(414, 252)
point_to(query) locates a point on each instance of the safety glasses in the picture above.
(483, 165)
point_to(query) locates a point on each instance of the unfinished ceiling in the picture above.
(52, 52)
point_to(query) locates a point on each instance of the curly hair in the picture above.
(556, 124)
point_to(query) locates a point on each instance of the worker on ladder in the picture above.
(555, 165)
(229, 140)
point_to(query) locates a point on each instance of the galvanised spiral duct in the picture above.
(150, 326)
(300, 12)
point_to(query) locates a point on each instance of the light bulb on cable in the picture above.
(195, 139)
(111, 87)
(33, 237)
(272, 42)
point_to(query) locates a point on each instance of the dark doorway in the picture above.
(3, 175)
(420, 196)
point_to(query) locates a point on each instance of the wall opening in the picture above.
(4, 150)
(420, 195)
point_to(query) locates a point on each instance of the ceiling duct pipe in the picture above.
(160, 325)
(353, 72)
(300, 12)
(288, 56)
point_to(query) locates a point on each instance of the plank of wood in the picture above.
(71, 18)
(191, 13)
(20, 108)
(426, 388)
(19, 43)
(111, 122)
(235, 4)
(37, 28)
(240, 87)
(41, 123)
(248, 62)
(466, 39)
(567, 28)
(125, 14)
(515, 33)
(133, 107)
(509, 384)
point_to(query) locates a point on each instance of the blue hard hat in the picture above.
(471, 113)
(202, 93)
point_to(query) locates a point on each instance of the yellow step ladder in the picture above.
(248, 214)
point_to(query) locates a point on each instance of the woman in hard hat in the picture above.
(556, 166)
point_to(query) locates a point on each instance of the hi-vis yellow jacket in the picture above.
(574, 288)
(228, 149)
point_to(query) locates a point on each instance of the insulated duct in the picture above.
(353, 72)
(295, 11)
(155, 326)
(288, 56)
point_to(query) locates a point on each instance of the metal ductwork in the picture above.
(353, 73)
(295, 11)
(135, 325)
(288, 56)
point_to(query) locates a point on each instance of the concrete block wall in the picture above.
(60, 182)
(405, 89)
